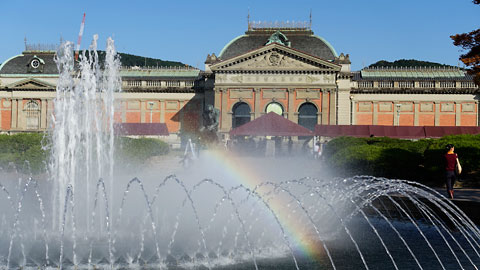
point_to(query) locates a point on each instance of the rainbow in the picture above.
(238, 170)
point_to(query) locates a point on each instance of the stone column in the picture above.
(437, 113)
(415, 113)
(14, 113)
(142, 111)
(375, 112)
(325, 108)
(333, 107)
(291, 104)
(257, 109)
(354, 110)
(162, 111)
(458, 114)
(43, 114)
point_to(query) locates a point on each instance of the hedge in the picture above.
(29, 152)
(24, 151)
(420, 160)
(137, 151)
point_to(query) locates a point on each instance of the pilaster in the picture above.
(437, 113)
(142, 111)
(325, 108)
(162, 111)
(225, 122)
(43, 114)
(396, 116)
(291, 104)
(415, 113)
(257, 109)
(353, 112)
(333, 107)
(14, 113)
(458, 114)
(375, 112)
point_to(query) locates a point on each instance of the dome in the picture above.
(302, 40)
(21, 64)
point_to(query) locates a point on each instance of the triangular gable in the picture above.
(275, 57)
(31, 83)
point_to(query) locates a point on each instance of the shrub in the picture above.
(25, 151)
(136, 151)
(420, 160)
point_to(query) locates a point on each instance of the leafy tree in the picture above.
(406, 63)
(470, 42)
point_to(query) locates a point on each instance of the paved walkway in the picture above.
(464, 194)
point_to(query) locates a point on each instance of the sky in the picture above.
(186, 31)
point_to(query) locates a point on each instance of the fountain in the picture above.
(239, 213)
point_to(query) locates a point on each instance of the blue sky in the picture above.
(186, 31)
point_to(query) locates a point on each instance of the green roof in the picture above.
(160, 72)
(412, 73)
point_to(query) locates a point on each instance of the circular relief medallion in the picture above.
(35, 63)
(274, 59)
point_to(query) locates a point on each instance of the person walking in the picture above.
(451, 163)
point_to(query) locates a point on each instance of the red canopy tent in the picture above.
(142, 129)
(271, 124)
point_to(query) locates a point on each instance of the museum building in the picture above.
(284, 68)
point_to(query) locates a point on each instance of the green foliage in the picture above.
(407, 63)
(137, 151)
(27, 153)
(24, 151)
(131, 60)
(420, 160)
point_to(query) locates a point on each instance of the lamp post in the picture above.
(398, 105)
(150, 105)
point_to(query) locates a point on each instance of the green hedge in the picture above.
(420, 160)
(29, 152)
(24, 151)
(137, 151)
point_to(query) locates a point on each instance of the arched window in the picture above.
(274, 107)
(241, 114)
(307, 116)
(32, 111)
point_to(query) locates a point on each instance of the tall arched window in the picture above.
(274, 107)
(241, 114)
(307, 116)
(32, 111)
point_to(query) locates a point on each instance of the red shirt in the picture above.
(451, 161)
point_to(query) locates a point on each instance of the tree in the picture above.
(470, 42)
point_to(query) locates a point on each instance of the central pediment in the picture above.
(275, 57)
